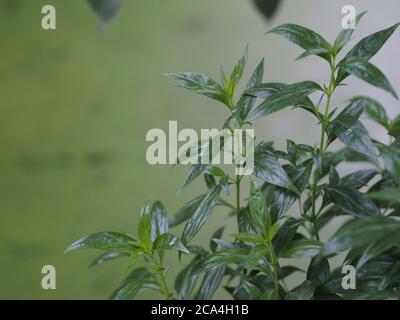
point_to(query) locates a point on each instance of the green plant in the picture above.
(250, 264)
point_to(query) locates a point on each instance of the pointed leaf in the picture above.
(359, 233)
(290, 95)
(106, 241)
(201, 214)
(199, 83)
(366, 71)
(168, 241)
(351, 201)
(305, 38)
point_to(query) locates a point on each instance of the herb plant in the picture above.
(249, 263)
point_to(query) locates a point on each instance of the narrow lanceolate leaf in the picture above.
(144, 228)
(358, 139)
(201, 214)
(375, 111)
(379, 247)
(367, 48)
(264, 90)
(187, 279)
(138, 280)
(186, 211)
(318, 271)
(391, 156)
(210, 284)
(237, 72)
(159, 220)
(345, 35)
(108, 256)
(395, 130)
(366, 71)
(199, 83)
(168, 241)
(268, 169)
(351, 201)
(358, 179)
(391, 195)
(305, 291)
(305, 38)
(260, 218)
(347, 118)
(301, 248)
(224, 257)
(246, 103)
(106, 241)
(289, 96)
(359, 233)
(195, 171)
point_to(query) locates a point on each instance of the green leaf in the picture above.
(347, 118)
(186, 211)
(138, 280)
(351, 201)
(284, 199)
(133, 259)
(210, 283)
(246, 102)
(168, 241)
(195, 171)
(186, 280)
(223, 257)
(244, 221)
(159, 220)
(366, 71)
(217, 235)
(358, 179)
(367, 48)
(305, 38)
(392, 195)
(318, 271)
(201, 214)
(108, 256)
(249, 237)
(260, 218)
(391, 156)
(268, 169)
(290, 95)
(237, 72)
(199, 83)
(285, 234)
(345, 35)
(145, 227)
(305, 291)
(106, 241)
(358, 139)
(379, 247)
(301, 248)
(264, 90)
(395, 129)
(375, 111)
(359, 233)
(334, 178)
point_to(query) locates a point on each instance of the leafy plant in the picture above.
(255, 261)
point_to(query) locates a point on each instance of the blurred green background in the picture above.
(75, 107)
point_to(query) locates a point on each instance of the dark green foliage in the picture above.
(248, 263)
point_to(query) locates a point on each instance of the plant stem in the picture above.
(237, 194)
(161, 281)
(329, 92)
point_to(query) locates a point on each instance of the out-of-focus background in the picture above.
(75, 106)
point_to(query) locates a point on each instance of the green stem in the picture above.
(161, 281)
(237, 194)
(323, 145)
